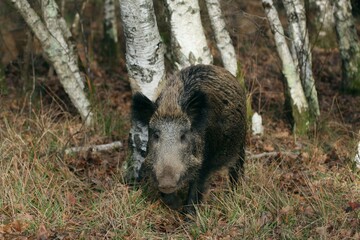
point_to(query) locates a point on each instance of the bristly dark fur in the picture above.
(195, 106)
(196, 126)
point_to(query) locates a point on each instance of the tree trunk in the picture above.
(222, 37)
(301, 53)
(187, 34)
(110, 26)
(349, 46)
(110, 42)
(324, 20)
(53, 38)
(225, 45)
(300, 111)
(145, 64)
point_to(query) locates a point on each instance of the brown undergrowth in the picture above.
(310, 189)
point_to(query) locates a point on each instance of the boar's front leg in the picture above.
(237, 171)
(197, 189)
(172, 200)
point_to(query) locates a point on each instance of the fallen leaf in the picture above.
(322, 231)
(265, 218)
(352, 206)
(309, 211)
(281, 134)
(16, 226)
(286, 210)
(268, 147)
(42, 233)
(71, 198)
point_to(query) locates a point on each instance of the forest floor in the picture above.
(300, 188)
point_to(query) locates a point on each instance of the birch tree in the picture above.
(110, 42)
(324, 18)
(222, 37)
(299, 105)
(145, 64)
(110, 23)
(301, 53)
(54, 37)
(187, 34)
(226, 48)
(349, 46)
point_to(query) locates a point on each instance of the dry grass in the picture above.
(313, 194)
(46, 194)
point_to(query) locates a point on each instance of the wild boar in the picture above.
(197, 125)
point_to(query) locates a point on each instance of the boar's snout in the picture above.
(168, 178)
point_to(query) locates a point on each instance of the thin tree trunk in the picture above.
(297, 97)
(225, 45)
(187, 34)
(349, 46)
(301, 53)
(324, 18)
(58, 51)
(110, 23)
(75, 26)
(222, 37)
(110, 44)
(145, 64)
(57, 27)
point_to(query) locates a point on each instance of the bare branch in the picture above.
(271, 154)
(95, 148)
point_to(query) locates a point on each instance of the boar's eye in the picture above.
(155, 136)
(183, 137)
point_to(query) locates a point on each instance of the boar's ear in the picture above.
(196, 108)
(142, 108)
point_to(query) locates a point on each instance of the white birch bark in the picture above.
(349, 45)
(222, 37)
(57, 27)
(301, 52)
(187, 34)
(144, 48)
(58, 52)
(145, 64)
(110, 20)
(298, 100)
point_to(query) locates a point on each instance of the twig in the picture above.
(95, 148)
(271, 154)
